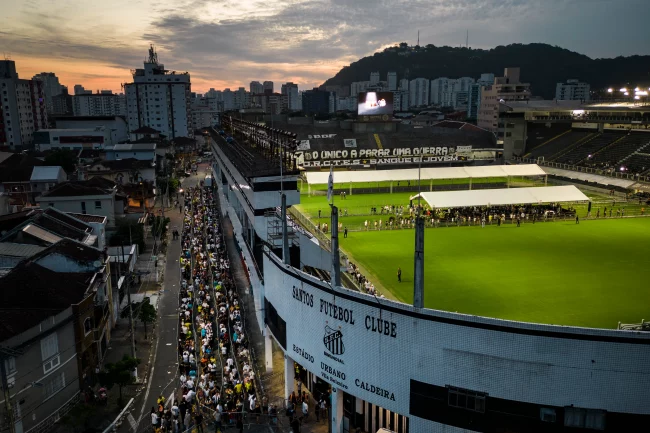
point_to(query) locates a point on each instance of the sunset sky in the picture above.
(224, 43)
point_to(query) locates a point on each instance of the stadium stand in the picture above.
(540, 133)
(588, 147)
(552, 147)
(638, 163)
(612, 155)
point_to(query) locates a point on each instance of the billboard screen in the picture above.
(375, 103)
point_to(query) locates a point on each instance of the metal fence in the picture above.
(609, 172)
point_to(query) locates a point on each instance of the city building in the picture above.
(270, 103)
(62, 103)
(475, 91)
(242, 98)
(293, 95)
(315, 102)
(102, 103)
(392, 81)
(268, 87)
(205, 117)
(51, 87)
(22, 108)
(256, 88)
(572, 90)
(451, 92)
(74, 139)
(80, 90)
(358, 86)
(139, 151)
(119, 129)
(439, 88)
(15, 178)
(419, 92)
(403, 84)
(506, 88)
(374, 78)
(97, 196)
(159, 99)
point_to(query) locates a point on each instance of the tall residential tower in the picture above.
(160, 99)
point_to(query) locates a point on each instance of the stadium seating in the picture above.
(613, 155)
(557, 145)
(588, 147)
(540, 133)
(638, 163)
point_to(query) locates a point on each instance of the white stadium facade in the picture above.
(392, 365)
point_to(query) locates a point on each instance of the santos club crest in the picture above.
(333, 341)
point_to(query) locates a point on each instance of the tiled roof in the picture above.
(18, 168)
(19, 250)
(184, 141)
(88, 218)
(80, 188)
(31, 293)
(73, 250)
(126, 147)
(122, 164)
(66, 217)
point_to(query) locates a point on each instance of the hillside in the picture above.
(541, 65)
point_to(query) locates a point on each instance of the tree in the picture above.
(65, 158)
(126, 232)
(147, 314)
(119, 373)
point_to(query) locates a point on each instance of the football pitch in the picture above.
(592, 274)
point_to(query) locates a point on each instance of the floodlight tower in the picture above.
(418, 271)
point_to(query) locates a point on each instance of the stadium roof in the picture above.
(508, 196)
(428, 173)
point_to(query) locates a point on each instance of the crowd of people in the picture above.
(216, 378)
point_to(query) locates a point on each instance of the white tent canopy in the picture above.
(427, 173)
(498, 197)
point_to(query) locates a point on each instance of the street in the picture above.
(162, 378)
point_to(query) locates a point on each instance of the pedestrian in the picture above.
(305, 409)
(317, 409)
(318, 213)
(154, 418)
(483, 222)
(217, 419)
(399, 275)
(198, 420)
(577, 219)
(345, 232)
(187, 421)
(518, 221)
(598, 213)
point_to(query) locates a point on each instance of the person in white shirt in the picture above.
(175, 410)
(154, 418)
(305, 409)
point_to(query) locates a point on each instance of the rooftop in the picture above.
(552, 104)
(87, 218)
(79, 189)
(18, 168)
(19, 250)
(30, 293)
(47, 173)
(122, 165)
(126, 147)
(145, 130)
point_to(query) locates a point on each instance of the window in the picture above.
(83, 207)
(56, 384)
(466, 399)
(98, 204)
(50, 352)
(88, 326)
(10, 365)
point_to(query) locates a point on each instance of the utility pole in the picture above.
(131, 322)
(5, 354)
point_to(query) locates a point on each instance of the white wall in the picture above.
(73, 204)
(516, 361)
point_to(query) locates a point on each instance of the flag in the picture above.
(330, 184)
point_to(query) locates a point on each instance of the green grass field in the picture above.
(592, 274)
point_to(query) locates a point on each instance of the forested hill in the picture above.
(541, 65)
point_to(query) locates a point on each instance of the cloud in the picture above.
(306, 41)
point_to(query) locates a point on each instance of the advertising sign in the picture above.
(375, 104)
(402, 155)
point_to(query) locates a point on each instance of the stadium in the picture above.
(527, 316)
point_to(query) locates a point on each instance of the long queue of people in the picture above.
(216, 377)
